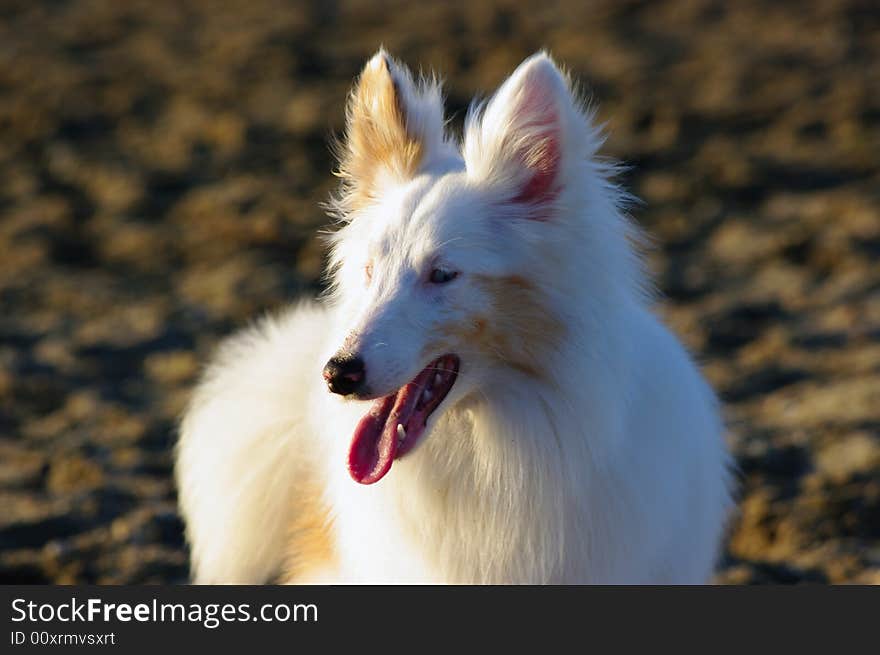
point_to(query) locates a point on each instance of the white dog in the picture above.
(498, 403)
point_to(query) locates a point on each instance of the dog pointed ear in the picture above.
(394, 128)
(517, 142)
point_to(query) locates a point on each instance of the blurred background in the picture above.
(161, 169)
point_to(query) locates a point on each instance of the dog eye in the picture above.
(442, 276)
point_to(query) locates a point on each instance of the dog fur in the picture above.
(579, 443)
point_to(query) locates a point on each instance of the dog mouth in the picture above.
(396, 422)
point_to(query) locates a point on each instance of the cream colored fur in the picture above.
(601, 462)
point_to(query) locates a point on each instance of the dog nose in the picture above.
(345, 375)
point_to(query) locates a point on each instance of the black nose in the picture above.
(345, 375)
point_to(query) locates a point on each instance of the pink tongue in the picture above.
(374, 444)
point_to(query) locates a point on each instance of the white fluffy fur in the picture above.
(613, 470)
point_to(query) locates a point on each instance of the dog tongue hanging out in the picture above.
(499, 404)
(394, 423)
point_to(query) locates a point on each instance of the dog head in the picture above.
(452, 264)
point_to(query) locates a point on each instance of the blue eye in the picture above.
(442, 276)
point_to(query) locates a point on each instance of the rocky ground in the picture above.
(161, 168)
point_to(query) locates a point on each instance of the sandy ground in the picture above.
(161, 165)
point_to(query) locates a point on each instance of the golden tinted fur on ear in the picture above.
(391, 123)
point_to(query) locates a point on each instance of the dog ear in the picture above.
(394, 128)
(517, 142)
